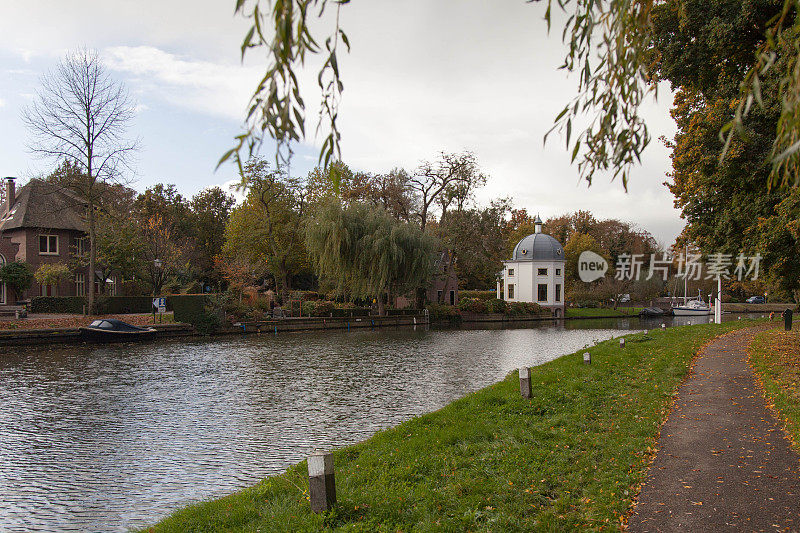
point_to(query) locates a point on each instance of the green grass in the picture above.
(570, 458)
(588, 312)
(775, 357)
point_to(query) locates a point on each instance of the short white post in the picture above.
(622, 342)
(321, 482)
(525, 382)
(663, 326)
(587, 358)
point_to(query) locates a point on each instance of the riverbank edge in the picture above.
(517, 467)
(774, 358)
(29, 337)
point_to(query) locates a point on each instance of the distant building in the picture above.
(535, 272)
(40, 224)
(443, 288)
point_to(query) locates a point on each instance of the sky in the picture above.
(422, 77)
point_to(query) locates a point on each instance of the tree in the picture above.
(703, 50)
(475, 239)
(609, 44)
(161, 258)
(366, 253)
(211, 211)
(81, 115)
(430, 181)
(52, 273)
(268, 227)
(778, 236)
(18, 276)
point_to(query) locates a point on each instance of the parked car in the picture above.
(756, 300)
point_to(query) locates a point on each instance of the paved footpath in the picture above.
(723, 462)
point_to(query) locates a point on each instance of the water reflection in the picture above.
(113, 438)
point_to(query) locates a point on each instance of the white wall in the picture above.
(526, 281)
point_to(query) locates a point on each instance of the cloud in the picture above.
(2, 103)
(213, 88)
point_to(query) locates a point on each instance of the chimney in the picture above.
(11, 193)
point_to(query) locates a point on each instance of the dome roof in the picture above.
(538, 247)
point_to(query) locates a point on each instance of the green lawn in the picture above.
(588, 312)
(775, 357)
(570, 458)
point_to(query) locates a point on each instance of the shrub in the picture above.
(443, 312)
(323, 308)
(202, 312)
(526, 309)
(495, 305)
(473, 305)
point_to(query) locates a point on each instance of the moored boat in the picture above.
(651, 311)
(112, 330)
(692, 308)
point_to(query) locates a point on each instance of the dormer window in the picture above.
(48, 244)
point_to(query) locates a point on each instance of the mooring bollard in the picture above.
(787, 320)
(525, 382)
(321, 482)
(587, 358)
(622, 342)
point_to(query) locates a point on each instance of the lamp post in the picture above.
(157, 266)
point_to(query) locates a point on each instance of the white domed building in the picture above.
(535, 272)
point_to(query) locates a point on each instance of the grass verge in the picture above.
(569, 458)
(588, 312)
(775, 358)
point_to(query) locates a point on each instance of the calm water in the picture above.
(114, 438)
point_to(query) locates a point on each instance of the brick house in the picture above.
(39, 224)
(443, 288)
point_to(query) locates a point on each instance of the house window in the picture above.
(542, 292)
(112, 286)
(542, 271)
(558, 292)
(81, 246)
(452, 297)
(558, 272)
(48, 244)
(439, 297)
(510, 271)
(511, 291)
(2, 285)
(80, 285)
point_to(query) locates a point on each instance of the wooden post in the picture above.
(525, 382)
(622, 342)
(321, 482)
(587, 358)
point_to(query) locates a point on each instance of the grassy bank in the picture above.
(775, 357)
(571, 457)
(589, 312)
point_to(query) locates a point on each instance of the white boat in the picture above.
(692, 308)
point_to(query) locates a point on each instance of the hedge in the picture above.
(105, 305)
(189, 308)
(478, 295)
(58, 304)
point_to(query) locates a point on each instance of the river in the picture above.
(110, 438)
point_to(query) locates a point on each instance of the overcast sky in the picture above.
(422, 77)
